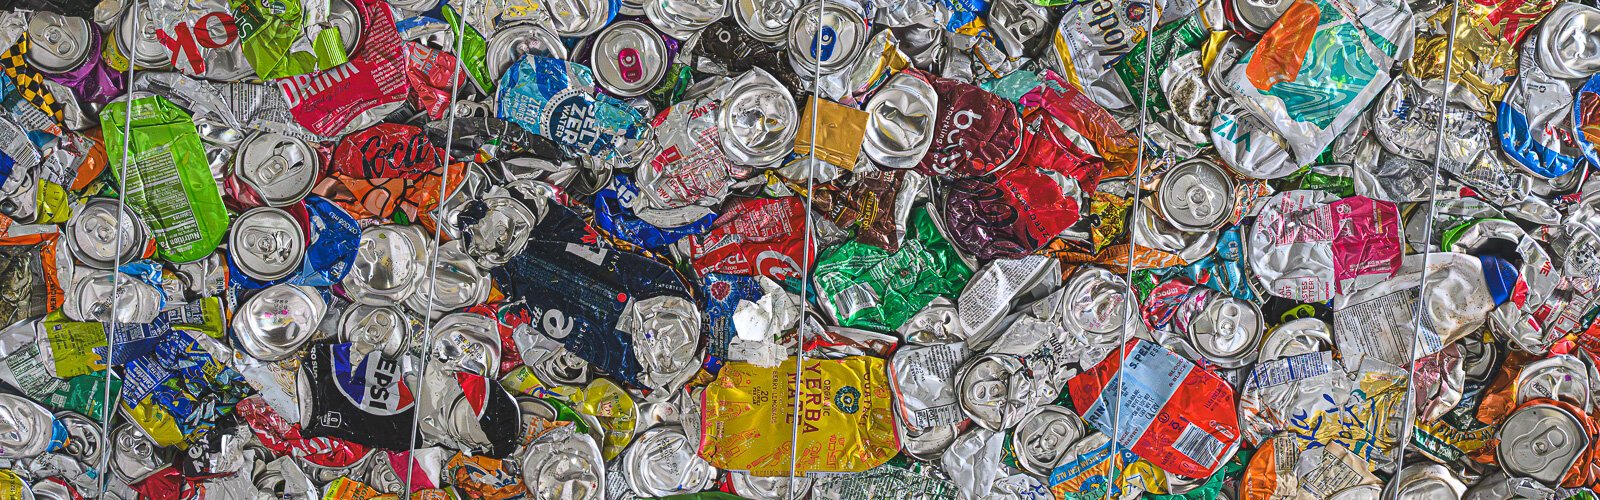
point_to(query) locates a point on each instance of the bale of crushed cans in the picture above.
(826, 249)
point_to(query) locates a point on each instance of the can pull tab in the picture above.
(628, 65)
(822, 45)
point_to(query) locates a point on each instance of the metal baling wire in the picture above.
(1129, 310)
(805, 273)
(1406, 409)
(438, 232)
(110, 407)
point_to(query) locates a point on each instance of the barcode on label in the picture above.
(1198, 446)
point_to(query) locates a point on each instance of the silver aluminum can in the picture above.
(391, 261)
(1016, 22)
(665, 331)
(59, 44)
(758, 120)
(1227, 331)
(937, 323)
(85, 439)
(557, 366)
(683, 19)
(1424, 480)
(29, 428)
(267, 243)
(1097, 302)
(900, 121)
(564, 465)
(827, 47)
(1541, 442)
(765, 20)
(343, 15)
(768, 488)
(98, 242)
(369, 328)
(510, 43)
(134, 456)
(467, 342)
(90, 298)
(628, 58)
(929, 445)
(1196, 195)
(579, 18)
(663, 461)
(1300, 336)
(455, 282)
(1564, 36)
(282, 169)
(272, 324)
(137, 39)
(995, 390)
(501, 233)
(1561, 377)
(1041, 439)
(1254, 17)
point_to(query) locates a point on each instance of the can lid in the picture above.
(900, 122)
(663, 462)
(386, 270)
(1043, 437)
(274, 323)
(1227, 331)
(373, 328)
(344, 15)
(580, 18)
(267, 243)
(94, 237)
(282, 169)
(766, 20)
(59, 44)
(829, 46)
(628, 58)
(1255, 17)
(1196, 195)
(137, 38)
(1542, 442)
(467, 342)
(758, 120)
(510, 43)
(683, 19)
(564, 464)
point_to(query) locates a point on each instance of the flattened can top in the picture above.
(510, 43)
(59, 44)
(282, 169)
(1254, 17)
(1542, 442)
(900, 122)
(581, 18)
(825, 38)
(99, 240)
(629, 58)
(1196, 195)
(390, 261)
(267, 243)
(766, 20)
(136, 36)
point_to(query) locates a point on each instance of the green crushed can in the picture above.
(863, 286)
(168, 179)
(268, 30)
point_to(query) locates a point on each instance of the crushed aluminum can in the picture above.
(1227, 331)
(995, 390)
(369, 328)
(272, 324)
(95, 238)
(266, 243)
(563, 464)
(666, 339)
(1542, 441)
(825, 38)
(1042, 438)
(663, 461)
(1196, 195)
(134, 456)
(766, 20)
(681, 19)
(60, 44)
(629, 58)
(136, 40)
(455, 282)
(510, 43)
(281, 169)
(757, 121)
(390, 264)
(900, 122)
(466, 342)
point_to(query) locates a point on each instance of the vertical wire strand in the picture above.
(1130, 312)
(805, 271)
(438, 232)
(1409, 402)
(109, 407)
